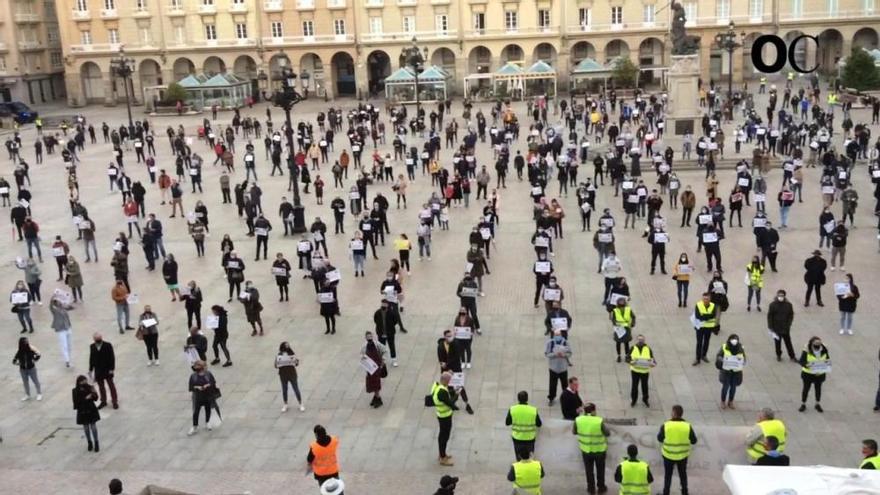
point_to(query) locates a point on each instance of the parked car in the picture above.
(18, 110)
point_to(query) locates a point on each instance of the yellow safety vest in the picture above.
(707, 310)
(634, 476)
(811, 358)
(763, 80)
(756, 278)
(790, 75)
(727, 353)
(676, 440)
(874, 460)
(623, 318)
(523, 426)
(590, 436)
(527, 476)
(769, 428)
(443, 410)
(636, 354)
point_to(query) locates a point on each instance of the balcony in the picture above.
(439, 2)
(96, 47)
(3, 47)
(824, 14)
(336, 4)
(141, 13)
(30, 46)
(26, 18)
(273, 5)
(308, 40)
(206, 9)
(305, 4)
(408, 35)
(175, 9)
(81, 15)
(520, 31)
(634, 26)
(238, 8)
(109, 14)
(222, 42)
(404, 3)
(374, 4)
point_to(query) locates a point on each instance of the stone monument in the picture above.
(683, 112)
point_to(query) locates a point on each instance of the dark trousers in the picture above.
(682, 475)
(197, 407)
(686, 216)
(597, 461)
(713, 253)
(103, 393)
(262, 240)
(637, 380)
(810, 288)
(562, 378)
(777, 343)
(151, 341)
(682, 289)
(220, 343)
(470, 304)
(811, 380)
(193, 314)
(387, 339)
(703, 335)
(523, 448)
(443, 436)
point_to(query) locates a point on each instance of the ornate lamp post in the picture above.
(123, 67)
(413, 58)
(286, 98)
(728, 42)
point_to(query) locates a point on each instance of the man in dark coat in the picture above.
(102, 367)
(814, 276)
(780, 316)
(386, 321)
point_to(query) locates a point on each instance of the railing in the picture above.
(627, 26)
(175, 9)
(3, 47)
(335, 4)
(207, 9)
(407, 36)
(305, 4)
(30, 45)
(238, 7)
(26, 17)
(81, 15)
(224, 42)
(141, 12)
(517, 31)
(374, 3)
(273, 5)
(824, 14)
(305, 40)
(109, 14)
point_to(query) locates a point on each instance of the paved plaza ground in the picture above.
(393, 449)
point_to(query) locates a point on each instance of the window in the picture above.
(511, 22)
(176, 4)
(868, 6)
(648, 14)
(140, 5)
(51, 35)
(690, 13)
(585, 18)
(237, 2)
(339, 27)
(376, 25)
(441, 23)
(110, 4)
(85, 37)
(722, 10)
(479, 22)
(277, 29)
(241, 31)
(408, 24)
(82, 5)
(3, 64)
(543, 18)
(308, 28)
(180, 34)
(210, 32)
(54, 59)
(113, 36)
(616, 16)
(756, 9)
(207, 2)
(833, 7)
(797, 8)
(146, 36)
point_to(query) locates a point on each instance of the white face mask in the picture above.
(734, 341)
(780, 298)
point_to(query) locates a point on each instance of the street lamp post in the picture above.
(285, 99)
(412, 57)
(123, 67)
(727, 41)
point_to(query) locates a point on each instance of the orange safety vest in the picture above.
(324, 463)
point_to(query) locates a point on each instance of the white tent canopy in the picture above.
(800, 480)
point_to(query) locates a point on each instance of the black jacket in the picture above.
(780, 315)
(102, 360)
(386, 321)
(815, 270)
(451, 355)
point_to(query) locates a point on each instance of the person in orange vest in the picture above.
(322, 456)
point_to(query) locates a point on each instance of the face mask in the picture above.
(450, 338)
(780, 298)
(734, 341)
(369, 339)
(684, 260)
(817, 348)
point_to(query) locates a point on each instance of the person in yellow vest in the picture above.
(766, 426)
(676, 437)
(815, 365)
(622, 317)
(444, 405)
(524, 422)
(705, 320)
(641, 360)
(633, 476)
(871, 459)
(322, 456)
(763, 88)
(755, 271)
(526, 475)
(592, 432)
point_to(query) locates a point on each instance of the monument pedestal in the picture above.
(683, 111)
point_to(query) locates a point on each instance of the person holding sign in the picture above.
(286, 363)
(467, 296)
(542, 242)
(552, 293)
(148, 331)
(815, 365)
(826, 227)
(711, 240)
(262, 227)
(623, 320)
(557, 319)
(641, 360)
(704, 320)
(730, 360)
(198, 343)
(234, 267)
(755, 282)
(558, 354)
(658, 240)
(847, 297)
(21, 305)
(281, 271)
(373, 362)
(250, 298)
(786, 199)
(219, 322)
(681, 273)
(386, 321)
(463, 331)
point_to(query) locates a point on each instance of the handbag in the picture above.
(14, 309)
(139, 334)
(383, 371)
(215, 393)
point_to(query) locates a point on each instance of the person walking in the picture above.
(32, 279)
(558, 352)
(633, 475)
(443, 401)
(814, 276)
(286, 363)
(87, 415)
(322, 459)
(119, 293)
(451, 352)
(148, 331)
(375, 352)
(524, 421)
(21, 305)
(815, 364)
(26, 358)
(62, 326)
(730, 360)
(102, 369)
(219, 322)
(681, 273)
(676, 437)
(250, 299)
(386, 322)
(526, 474)
(592, 438)
(705, 321)
(766, 427)
(755, 277)
(780, 316)
(641, 360)
(203, 387)
(846, 304)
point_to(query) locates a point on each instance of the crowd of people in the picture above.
(622, 137)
